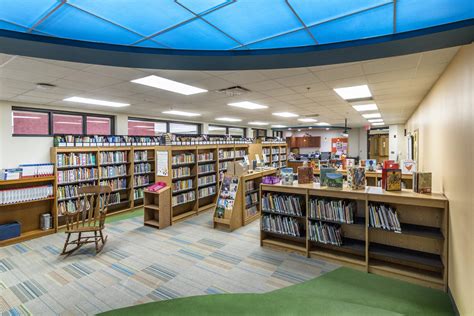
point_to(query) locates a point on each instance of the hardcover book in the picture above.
(370, 164)
(357, 178)
(394, 180)
(408, 166)
(323, 173)
(388, 164)
(334, 180)
(422, 182)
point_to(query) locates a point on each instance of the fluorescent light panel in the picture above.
(258, 123)
(378, 124)
(375, 120)
(323, 124)
(371, 115)
(279, 126)
(96, 102)
(307, 120)
(180, 113)
(355, 92)
(168, 85)
(365, 107)
(285, 114)
(228, 119)
(248, 105)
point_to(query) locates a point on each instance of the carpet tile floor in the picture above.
(141, 264)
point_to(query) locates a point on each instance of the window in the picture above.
(183, 128)
(237, 131)
(67, 124)
(96, 125)
(30, 123)
(146, 128)
(41, 122)
(216, 130)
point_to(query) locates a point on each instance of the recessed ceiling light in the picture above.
(378, 124)
(285, 114)
(365, 107)
(181, 113)
(248, 105)
(96, 102)
(323, 124)
(279, 126)
(307, 120)
(371, 115)
(228, 119)
(258, 123)
(376, 120)
(356, 92)
(169, 85)
(310, 127)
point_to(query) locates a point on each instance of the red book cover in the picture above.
(388, 164)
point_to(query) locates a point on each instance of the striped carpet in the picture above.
(141, 264)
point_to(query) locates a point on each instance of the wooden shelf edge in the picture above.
(183, 216)
(27, 236)
(408, 276)
(27, 202)
(27, 180)
(283, 246)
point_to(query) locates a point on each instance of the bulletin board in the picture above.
(340, 145)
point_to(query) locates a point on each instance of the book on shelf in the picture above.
(422, 182)
(206, 156)
(108, 157)
(141, 180)
(12, 196)
(115, 184)
(334, 180)
(140, 155)
(142, 167)
(332, 210)
(182, 185)
(207, 180)
(408, 166)
(356, 178)
(138, 193)
(206, 168)
(181, 172)
(322, 175)
(385, 217)
(370, 165)
(182, 159)
(281, 224)
(36, 170)
(184, 198)
(207, 191)
(325, 233)
(113, 171)
(251, 199)
(286, 204)
(251, 211)
(10, 174)
(75, 159)
(394, 180)
(75, 175)
(250, 185)
(388, 164)
(114, 198)
(70, 191)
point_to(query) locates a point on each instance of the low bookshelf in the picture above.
(143, 172)
(28, 212)
(397, 234)
(157, 208)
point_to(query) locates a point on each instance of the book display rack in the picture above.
(24, 201)
(397, 234)
(157, 208)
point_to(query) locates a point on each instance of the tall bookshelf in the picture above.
(28, 213)
(276, 154)
(207, 176)
(417, 252)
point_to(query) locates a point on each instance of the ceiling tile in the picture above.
(343, 72)
(298, 80)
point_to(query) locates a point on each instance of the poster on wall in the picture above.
(162, 163)
(340, 145)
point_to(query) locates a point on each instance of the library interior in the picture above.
(239, 157)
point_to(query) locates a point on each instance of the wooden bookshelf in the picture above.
(207, 177)
(157, 208)
(241, 213)
(417, 254)
(276, 153)
(28, 213)
(143, 166)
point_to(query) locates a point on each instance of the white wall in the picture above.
(397, 144)
(357, 140)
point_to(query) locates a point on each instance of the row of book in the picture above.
(325, 233)
(226, 154)
(287, 204)
(12, 196)
(138, 193)
(108, 157)
(115, 184)
(266, 151)
(183, 198)
(333, 210)
(75, 175)
(68, 206)
(69, 191)
(206, 168)
(275, 151)
(142, 167)
(75, 159)
(182, 158)
(207, 180)
(114, 198)
(141, 180)
(223, 165)
(251, 211)
(249, 185)
(139, 156)
(113, 171)
(98, 140)
(251, 199)
(207, 191)
(182, 185)
(240, 153)
(275, 158)
(384, 216)
(27, 171)
(181, 172)
(282, 225)
(206, 156)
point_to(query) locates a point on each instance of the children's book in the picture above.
(323, 173)
(408, 166)
(422, 182)
(394, 180)
(334, 180)
(371, 164)
(357, 178)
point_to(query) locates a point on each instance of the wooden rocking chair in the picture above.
(88, 221)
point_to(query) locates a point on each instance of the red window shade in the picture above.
(67, 124)
(30, 123)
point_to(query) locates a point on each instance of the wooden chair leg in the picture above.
(96, 240)
(66, 243)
